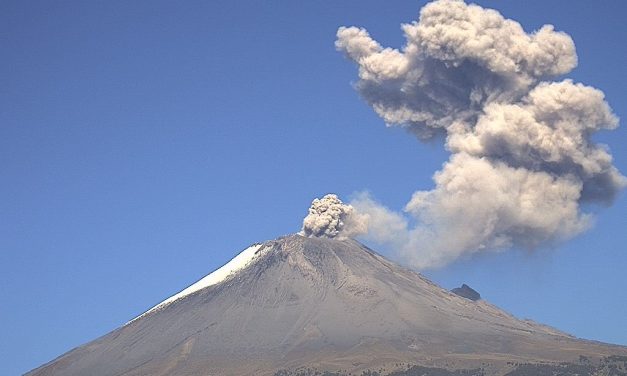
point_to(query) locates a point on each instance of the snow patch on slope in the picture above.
(239, 262)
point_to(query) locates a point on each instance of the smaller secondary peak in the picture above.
(467, 292)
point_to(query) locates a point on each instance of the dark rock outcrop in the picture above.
(466, 292)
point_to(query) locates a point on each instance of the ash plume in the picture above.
(522, 156)
(331, 218)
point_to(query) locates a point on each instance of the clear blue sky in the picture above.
(143, 144)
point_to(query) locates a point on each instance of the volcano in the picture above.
(305, 306)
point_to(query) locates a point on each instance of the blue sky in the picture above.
(143, 144)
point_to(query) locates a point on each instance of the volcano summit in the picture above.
(299, 305)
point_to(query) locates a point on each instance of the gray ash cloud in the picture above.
(522, 161)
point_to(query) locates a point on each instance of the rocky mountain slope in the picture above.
(298, 305)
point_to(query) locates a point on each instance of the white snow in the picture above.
(239, 262)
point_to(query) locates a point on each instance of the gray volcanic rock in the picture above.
(323, 304)
(466, 292)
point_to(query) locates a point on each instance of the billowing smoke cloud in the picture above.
(522, 158)
(330, 217)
